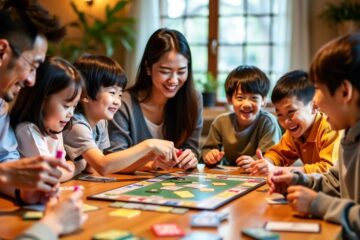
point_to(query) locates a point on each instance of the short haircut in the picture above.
(337, 61)
(250, 79)
(52, 76)
(100, 71)
(294, 84)
(22, 20)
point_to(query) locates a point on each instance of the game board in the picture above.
(190, 190)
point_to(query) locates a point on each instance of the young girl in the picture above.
(88, 137)
(162, 103)
(41, 113)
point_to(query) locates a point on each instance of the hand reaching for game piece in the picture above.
(213, 157)
(261, 167)
(279, 181)
(300, 199)
(186, 159)
(244, 162)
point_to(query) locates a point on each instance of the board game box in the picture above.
(179, 189)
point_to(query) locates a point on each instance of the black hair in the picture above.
(337, 61)
(100, 71)
(52, 76)
(250, 79)
(295, 83)
(22, 20)
(178, 127)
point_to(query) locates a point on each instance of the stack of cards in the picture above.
(201, 236)
(114, 235)
(208, 219)
(167, 230)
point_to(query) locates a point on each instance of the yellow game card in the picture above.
(128, 213)
(168, 184)
(184, 194)
(112, 235)
(32, 215)
(88, 207)
(206, 189)
(219, 184)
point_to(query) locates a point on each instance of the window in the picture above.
(224, 34)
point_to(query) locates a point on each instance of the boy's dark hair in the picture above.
(178, 127)
(295, 83)
(100, 71)
(22, 20)
(52, 76)
(337, 61)
(249, 78)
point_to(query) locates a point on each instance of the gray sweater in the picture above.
(38, 231)
(129, 127)
(339, 189)
(262, 133)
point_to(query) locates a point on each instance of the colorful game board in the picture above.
(190, 190)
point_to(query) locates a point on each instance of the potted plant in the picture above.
(208, 86)
(98, 35)
(346, 15)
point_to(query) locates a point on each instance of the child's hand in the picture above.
(260, 167)
(279, 181)
(161, 162)
(186, 159)
(163, 148)
(300, 199)
(244, 162)
(213, 157)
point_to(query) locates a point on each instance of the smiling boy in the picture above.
(308, 135)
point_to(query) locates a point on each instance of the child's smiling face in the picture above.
(295, 116)
(246, 107)
(59, 109)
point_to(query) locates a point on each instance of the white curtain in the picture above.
(299, 34)
(147, 16)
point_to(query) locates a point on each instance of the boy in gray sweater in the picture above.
(334, 196)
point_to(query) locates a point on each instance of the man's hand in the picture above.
(300, 199)
(36, 173)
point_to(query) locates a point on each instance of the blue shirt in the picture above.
(8, 143)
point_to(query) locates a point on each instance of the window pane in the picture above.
(229, 58)
(258, 6)
(199, 56)
(198, 7)
(231, 7)
(199, 78)
(198, 34)
(177, 23)
(221, 90)
(172, 8)
(231, 30)
(258, 29)
(258, 56)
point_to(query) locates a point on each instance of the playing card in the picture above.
(167, 230)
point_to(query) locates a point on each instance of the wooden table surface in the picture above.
(250, 210)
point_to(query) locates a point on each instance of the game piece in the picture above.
(167, 230)
(292, 226)
(112, 235)
(153, 190)
(88, 207)
(90, 178)
(184, 194)
(201, 236)
(179, 152)
(180, 180)
(260, 234)
(128, 213)
(32, 215)
(219, 184)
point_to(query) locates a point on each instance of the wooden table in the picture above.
(250, 210)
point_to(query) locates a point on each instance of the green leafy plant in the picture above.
(347, 10)
(99, 35)
(208, 84)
